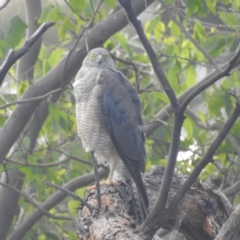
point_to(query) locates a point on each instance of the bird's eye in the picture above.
(107, 57)
(92, 56)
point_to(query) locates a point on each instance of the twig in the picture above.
(72, 194)
(14, 55)
(232, 189)
(42, 165)
(74, 157)
(31, 99)
(188, 35)
(94, 162)
(126, 4)
(30, 200)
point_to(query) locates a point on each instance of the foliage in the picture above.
(184, 65)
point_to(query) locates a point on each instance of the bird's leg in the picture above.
(109, 180)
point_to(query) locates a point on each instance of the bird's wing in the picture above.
(120, 111)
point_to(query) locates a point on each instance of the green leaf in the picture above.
(188, 126)
(211, 6)
(175, 30)
(4, 48)
(111, 3)
(77, 6)
(190, 76)
(229, 18)
(23, 86)
(63, 29)
(43, 17)
(72, 205)
(15, 31)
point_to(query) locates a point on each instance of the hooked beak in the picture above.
(99, 59)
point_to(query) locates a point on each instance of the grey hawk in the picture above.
(109, 120)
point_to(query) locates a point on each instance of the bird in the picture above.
(109, 120)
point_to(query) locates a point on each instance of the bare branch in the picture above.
(31, 99)
(31, 201)
(72, 194)
(232, 189)
(42, 165)
(126, 4)
(14, 55)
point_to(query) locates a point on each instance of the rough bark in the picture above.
(199, 216)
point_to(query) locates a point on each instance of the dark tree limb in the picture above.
(117, 221)
(126, 4)
(178, 117)
(14, 55)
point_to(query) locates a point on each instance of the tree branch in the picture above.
(14, 55)
(126, 4)
(72, 194)
(31, 201)
(31, 99)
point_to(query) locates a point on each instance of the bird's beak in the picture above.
(99, 59)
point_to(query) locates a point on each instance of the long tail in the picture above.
(139, 208)
(136, 175)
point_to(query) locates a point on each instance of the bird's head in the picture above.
(99, 58)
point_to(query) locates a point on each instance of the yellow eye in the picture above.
(107, 57)
(92, 56)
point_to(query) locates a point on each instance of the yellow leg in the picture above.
(109, 180)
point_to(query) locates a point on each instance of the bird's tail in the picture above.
(142, 192)
(140, 210)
